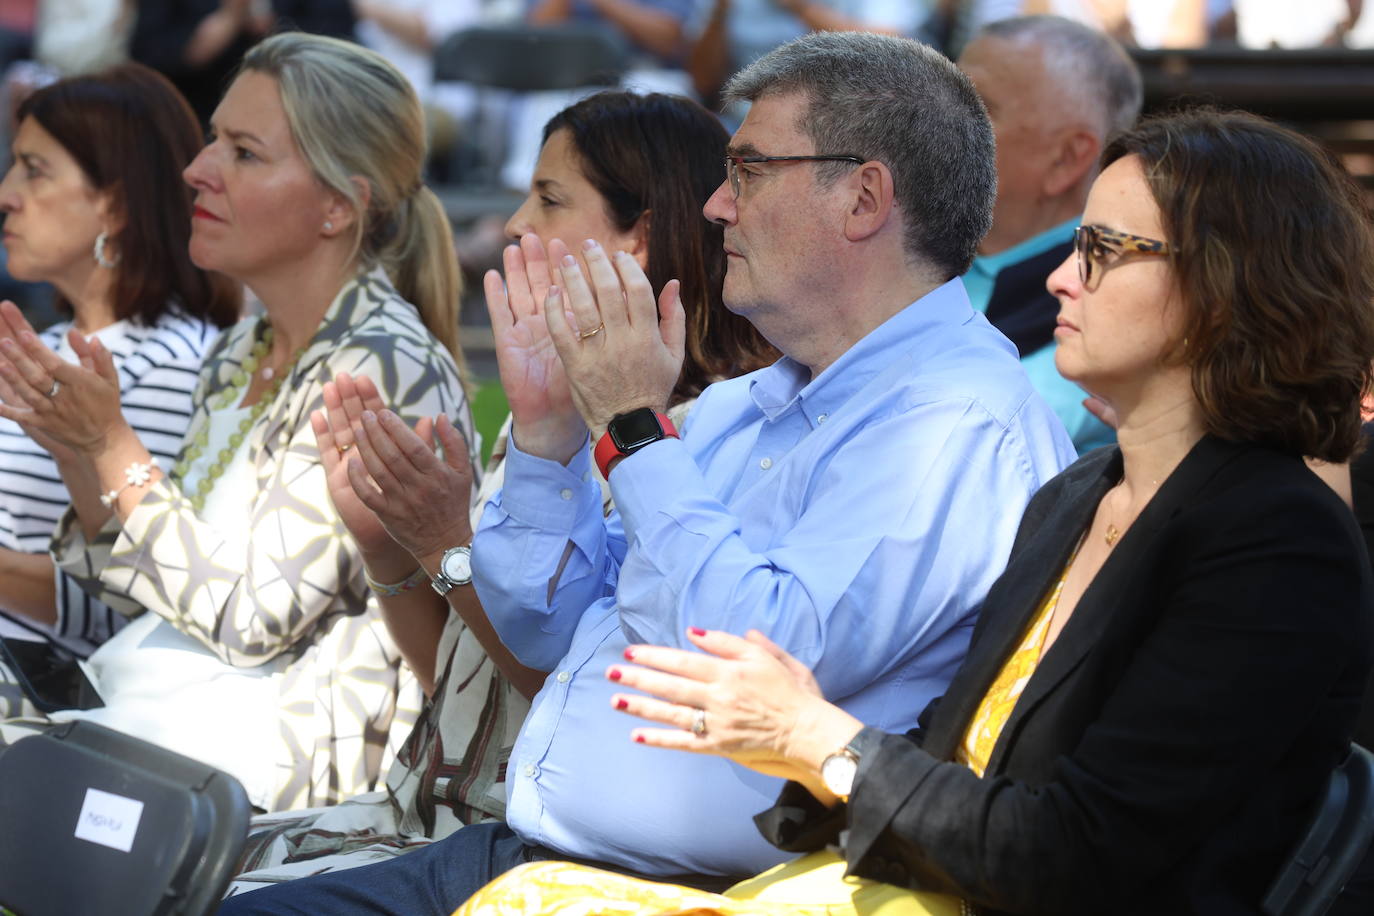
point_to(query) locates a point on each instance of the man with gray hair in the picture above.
(1056, 90)
(852, 503)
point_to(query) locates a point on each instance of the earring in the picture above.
(99, 252)
(328, 226)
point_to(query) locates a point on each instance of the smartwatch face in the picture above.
(635, 429)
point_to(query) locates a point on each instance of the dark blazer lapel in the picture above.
(1031, 572)
(1103, 596)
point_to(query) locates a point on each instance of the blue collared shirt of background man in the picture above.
(1064, 396)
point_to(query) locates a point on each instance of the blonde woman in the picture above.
(258, 646)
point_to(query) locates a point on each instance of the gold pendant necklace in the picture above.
(1112, 535)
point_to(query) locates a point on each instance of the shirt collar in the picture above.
(906, 334)
(1055, 235)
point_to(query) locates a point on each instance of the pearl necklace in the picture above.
(222, 400)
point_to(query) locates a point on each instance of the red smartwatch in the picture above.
(627, 433)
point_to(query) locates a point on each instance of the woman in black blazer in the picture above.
(1172, 662)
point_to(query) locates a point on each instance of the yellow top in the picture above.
(814, 885)
(986, 725)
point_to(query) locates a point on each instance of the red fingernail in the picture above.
(622, 703)
(639, 739)
(629, 655)
(696, 631)
(613, 674)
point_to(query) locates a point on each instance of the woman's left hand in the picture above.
(75, 405)
(345, 399)
(747, 700)
(422, 499)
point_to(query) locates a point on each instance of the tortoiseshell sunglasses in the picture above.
(1093, 243)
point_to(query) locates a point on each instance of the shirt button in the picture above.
(565, 493)
(564, 677)
(766, 463)
(531, 770)
(822, 418)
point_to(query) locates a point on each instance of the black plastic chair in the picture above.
(98, 822)
(1333, 844)
(520, 58)
(530, 58)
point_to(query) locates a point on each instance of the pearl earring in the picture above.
(328, 226)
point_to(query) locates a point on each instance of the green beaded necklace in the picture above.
(226, 398)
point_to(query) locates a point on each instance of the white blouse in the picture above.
(159, 683)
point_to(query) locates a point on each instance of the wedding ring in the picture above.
(344, 448)
(585, 335)
(699, 723)
(56, 387)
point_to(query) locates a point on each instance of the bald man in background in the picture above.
(1056, 91)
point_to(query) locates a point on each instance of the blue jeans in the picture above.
(432, 880)
(435, 879)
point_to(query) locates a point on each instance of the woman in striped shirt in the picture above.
(94, 205)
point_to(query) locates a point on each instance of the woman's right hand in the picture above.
(545, 420)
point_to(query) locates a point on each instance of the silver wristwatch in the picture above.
(454, 569)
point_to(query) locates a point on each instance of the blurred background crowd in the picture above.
(491, 72)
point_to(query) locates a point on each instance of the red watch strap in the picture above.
(606, 450)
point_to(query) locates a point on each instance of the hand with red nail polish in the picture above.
(743, 698)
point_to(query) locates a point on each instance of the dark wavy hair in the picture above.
(665, 154)
(1273, 256)
(132, 133)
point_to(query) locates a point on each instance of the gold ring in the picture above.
(344, 448)
(593, 332)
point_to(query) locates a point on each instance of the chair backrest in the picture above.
(98, 822)
(528, 58)
(1332, 845)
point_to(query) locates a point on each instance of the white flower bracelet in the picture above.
(137, 474)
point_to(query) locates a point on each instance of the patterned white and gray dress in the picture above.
(282, 590)
(450, 772)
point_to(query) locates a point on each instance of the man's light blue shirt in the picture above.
(857, 519)
(1065, 397)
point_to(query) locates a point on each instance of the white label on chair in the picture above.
(110, 820)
